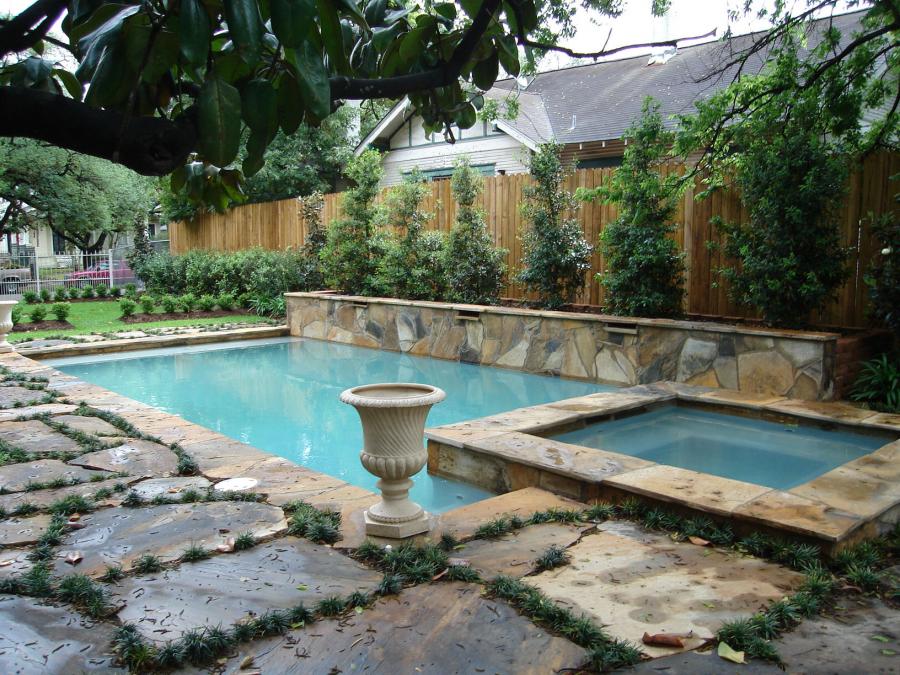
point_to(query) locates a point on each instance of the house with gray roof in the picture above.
(586, 108)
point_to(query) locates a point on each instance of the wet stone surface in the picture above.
(35, 436)
(439, 629)
(22, 531)
(39, 639)
(170, 488)
(17, 477)
(48, 496)
(11, 395)
(136, 457)
(121, 535)
(88, 425)
(227, 588)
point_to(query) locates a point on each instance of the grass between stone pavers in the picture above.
(105, 317)
(43, 394)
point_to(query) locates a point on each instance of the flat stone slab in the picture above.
(514, 554)
(436, 629)
(47, 497)
(12, 395)
(703, 491)
(17, 477)
(122, 535)
(701, 663)
(136, 457)
(169, 487)
(228, 588)
(852, 490)
(632, 581)
(14, 414)
(850, 639)
(799, 514)
(280, 480)
(89, 425)
(38, 639)
(22, 531)
(35, 436)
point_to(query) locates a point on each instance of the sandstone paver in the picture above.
(227, 588)
(12, 395)
(169, 487)
(852, 490)
(22, 531)
(136, 457)
(47, 497)
(122, 535)
(17, 477)
(89, 425)
(35, 436)
(440, 629)
(38, 639)
(798, 514)
(632, 581)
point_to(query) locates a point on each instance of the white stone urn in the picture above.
(393, 421)
(6, 324)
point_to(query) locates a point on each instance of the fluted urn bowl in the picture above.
(393, 420)
(6, 324)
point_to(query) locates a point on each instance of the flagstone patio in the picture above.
(620, 576)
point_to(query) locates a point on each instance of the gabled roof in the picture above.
(599, 101)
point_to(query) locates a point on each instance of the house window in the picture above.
(445, 172)
(59, 244)
(599, 163)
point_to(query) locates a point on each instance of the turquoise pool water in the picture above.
(283, 397)
(755, 451)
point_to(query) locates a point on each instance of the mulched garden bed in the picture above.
(166, 316)
(30, 326)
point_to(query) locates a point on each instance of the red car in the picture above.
(98, 273)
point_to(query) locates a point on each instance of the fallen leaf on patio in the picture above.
(709, 605)
(698, 541)
(880, 638)
(227, 547)
(72, 525)
(888, 652)
(358, 610)
(75, 517)
(74, 557)
(302, 587)
(461, 562)
(729, 654)
(172, 490)
(247, 662)
(6, 563)
(662, 640)
(440, 574)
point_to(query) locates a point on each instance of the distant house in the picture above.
(586, 108)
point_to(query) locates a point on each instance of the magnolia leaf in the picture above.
(729, 654)
(194, 31)
(312, 79)
(245, 27)
(484, 74)
(290, 103)
(292, 19)
(880, 638)
(259, 107)
(332, 35)
(219, 112)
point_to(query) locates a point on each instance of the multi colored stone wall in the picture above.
(593, 347)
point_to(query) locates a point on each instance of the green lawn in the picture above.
(103, 317)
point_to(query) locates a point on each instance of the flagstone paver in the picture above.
(16, 477)
(44, 409)
(227, 588)
(122, 535)
(89, 425)
(38, 639)
(12, 395)
(14, 562)
(136, 457)
(169, 487)
(47, 497)
(35, 436)
(22, 531)
(514, 554)
(632, 581)
(429, 630)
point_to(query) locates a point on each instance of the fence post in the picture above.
(37, 272)
(111, 276)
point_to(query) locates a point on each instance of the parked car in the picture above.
(98, 273)
(14, 279)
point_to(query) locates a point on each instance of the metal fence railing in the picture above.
(23, 271)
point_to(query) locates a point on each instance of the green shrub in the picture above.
(38, 313)
(311, 211)
(169, 304)
(45, 295)
(878, 385)
(74, 293)
(102, 290)
(225, 301)
(266, 306)
(115, 292)
(206, 303)
(412, 265)
(17, 315)
(127, 307)
(31, 297)
(131, 292)
(87, 292)
(883, 276)
(556, 256)
(61, 310)
(347, 260)
(474, 267)
(644, 273)
(60, 294)
(148, 303)
(187, 302)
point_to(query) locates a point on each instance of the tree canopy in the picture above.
(83, 199)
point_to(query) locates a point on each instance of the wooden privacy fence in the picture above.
(278, 225)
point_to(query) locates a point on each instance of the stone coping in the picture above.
(510, 450)
(151, 342)
(612, 320)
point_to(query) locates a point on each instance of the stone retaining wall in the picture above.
(607, 349)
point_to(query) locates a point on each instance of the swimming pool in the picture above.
(779, 456)
(282, 397)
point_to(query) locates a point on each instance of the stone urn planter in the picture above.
(6, 324)
(393, 421)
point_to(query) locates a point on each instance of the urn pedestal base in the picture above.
(409, 528)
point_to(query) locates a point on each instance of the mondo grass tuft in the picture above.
(147, 564)
(553, 557)
(318, 525)
(390, 584)
(331, 606)
(244, 540)
(193, 553)
(113, 573)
